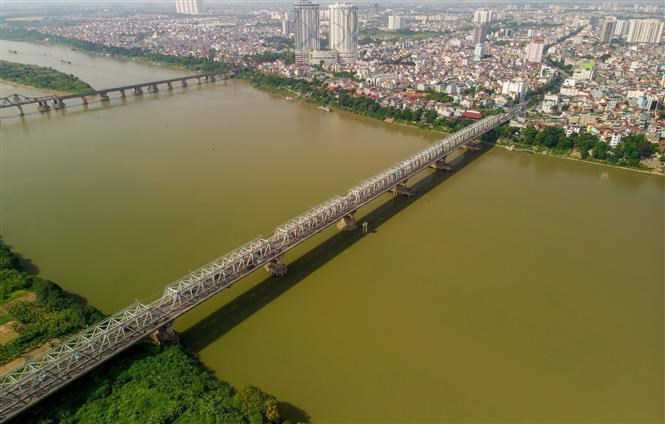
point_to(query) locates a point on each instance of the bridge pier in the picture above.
(348, 222)
(84, 100)
(122, 94)
(198, 79)
(184, 82)
(164, 334)
(211, 78)
(441, 165)
(138, 91)
(473, 146)
(104, 97)
(169, 85)
(402, 190)
(276, 268)
(153, 88)
(58, 104)
(20, 110)
(43, 106)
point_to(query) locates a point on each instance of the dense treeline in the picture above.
(145, 384)
(54, 314)
(41, 77)
(314, 91)
(630, 150)
(150, 384)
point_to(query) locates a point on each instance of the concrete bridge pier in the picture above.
(138, 91)
(441, 165)
(154, 88)
(122, 94)
(104, 96)
(43, 106)
(164, 334)
(211, 78)
(84, 100)
(169, 85)
(198, 79)
(20, 110)
(58, 104)
(402, 190)
(277, 268)
(184, 82)
(348, 222)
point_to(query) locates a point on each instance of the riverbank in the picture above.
(313, 92)
(17, 85)
(42, 78)
(141, 385)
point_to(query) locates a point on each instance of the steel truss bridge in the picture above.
(45, 103)
(48, 372)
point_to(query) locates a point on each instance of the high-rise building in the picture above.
(621, 28)
(287, 24)
(479, 34)
(306, 21)
(373, 9)
(534, 51)
(396, 22)
(482, 16)
(645, 31)
(607, 30)
(189, 7)
(344, 28)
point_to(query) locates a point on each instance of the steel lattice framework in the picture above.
(50, 371)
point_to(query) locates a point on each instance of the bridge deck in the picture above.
(13, 101)
(47, 373)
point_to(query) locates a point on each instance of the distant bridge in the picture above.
(50, 371)
(45, 103)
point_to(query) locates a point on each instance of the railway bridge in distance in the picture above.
(50, 371)
(46, 103)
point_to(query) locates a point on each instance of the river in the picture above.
(520, 288)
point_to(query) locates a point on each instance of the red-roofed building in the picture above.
(472, 114)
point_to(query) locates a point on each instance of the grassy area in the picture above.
(34, 310)
(40, 77)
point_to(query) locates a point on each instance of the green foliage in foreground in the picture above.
(55, 313)
(41, 77)
(150, 384)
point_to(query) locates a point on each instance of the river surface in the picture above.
(520, 288)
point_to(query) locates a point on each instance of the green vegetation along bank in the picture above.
(146, 384)
(41, 77)
(315, 92)
(34, 311)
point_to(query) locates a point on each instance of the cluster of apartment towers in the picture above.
(342, 40)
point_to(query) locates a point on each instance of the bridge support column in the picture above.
(211, 78)
(276, 268)
(348, 222)
(84, 100)
(169, 85)
(58, 104)
(138, 91)
(184, 83)
(402, 190)
(164, 334)
(122, 94)
(441, 165)
(154, 88)
(104, 97)
(43, 106)
(198, 79)
(20, 110)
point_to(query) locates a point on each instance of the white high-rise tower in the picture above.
(306, 21)
(189, 7)
(344, 28)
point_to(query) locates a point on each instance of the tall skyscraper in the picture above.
(482, 16)
(479, 34)
(189, 7)
(306, 21)
(607, 30)
(373, 9)
(344, 28)
(534, 51)
(396, 22)
(645, 31)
